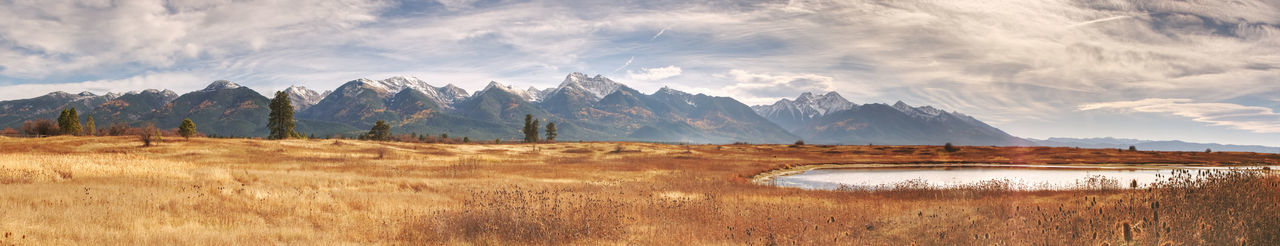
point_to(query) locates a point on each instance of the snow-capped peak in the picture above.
(443, 96)
(494, 85)
(537, 94)
(221, 85)
(398, 83)
(674, 94)
(807, 105)
(302, 98)
(598, 86)
(452, 93)
(924, 112)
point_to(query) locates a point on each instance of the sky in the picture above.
(1193, 70)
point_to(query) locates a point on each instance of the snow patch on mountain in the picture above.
(807, 106)
(676, 94)
(598, 86)
(302, 98)
(925, 112)
(494, 85)
(221, 85)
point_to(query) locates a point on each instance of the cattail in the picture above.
(1128, 233)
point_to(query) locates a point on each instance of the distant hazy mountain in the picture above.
(793, 114)
(1173, 145)
(49, 106)
(830, 119)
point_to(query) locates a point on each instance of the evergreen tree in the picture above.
(90, 128)
(380, 131)
(444, 136)
(530, 130)
(69, 122)
(466, 139)
(280, 121)
(551, 131)
(187, 129)
(62, 121)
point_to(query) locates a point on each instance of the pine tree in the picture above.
(530, 129)
(187, 129)
(280, 121)
(380, 131)
(551, 131)
(90, 128)
(69, 122)
(63, 122)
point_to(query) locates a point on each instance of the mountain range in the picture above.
(831, 119)
(583, 107)
(1163, 145)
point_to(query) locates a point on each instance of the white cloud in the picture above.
(1249, 118)
(625, 64)
(652, 74)
(755, 85)
(1001, 60)
(178, 82)
(41, 39)
(660, 32)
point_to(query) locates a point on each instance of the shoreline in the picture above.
(767, 177)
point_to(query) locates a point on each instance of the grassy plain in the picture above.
(109, 190)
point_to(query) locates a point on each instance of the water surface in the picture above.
(1018, 177)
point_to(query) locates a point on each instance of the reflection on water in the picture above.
(1019, 177)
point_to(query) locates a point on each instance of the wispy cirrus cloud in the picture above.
(1022, 64)
(1250, 118)
(652, 74)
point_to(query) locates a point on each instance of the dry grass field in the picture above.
(109, 190)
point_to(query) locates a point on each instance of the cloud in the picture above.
(1249, 118)
(652, 74)
(52, 39)
(179, 82)
(660, 32)
(1025, 62)
(625, 64)
(757, 85)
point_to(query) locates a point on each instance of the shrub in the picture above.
(950, 148)
(1133, 148)
(117, 129)
(187, 129)
(380, 131)
(40, 127)
(799, 142)
(148, 135)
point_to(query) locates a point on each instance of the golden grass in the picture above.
(108, 190)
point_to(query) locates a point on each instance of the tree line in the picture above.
(280, 125)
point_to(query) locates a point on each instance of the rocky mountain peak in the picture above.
(221, 85)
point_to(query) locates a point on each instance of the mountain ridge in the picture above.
(584, 107)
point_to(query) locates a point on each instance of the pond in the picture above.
(1025, 177)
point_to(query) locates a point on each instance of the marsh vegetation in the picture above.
(109, 190)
